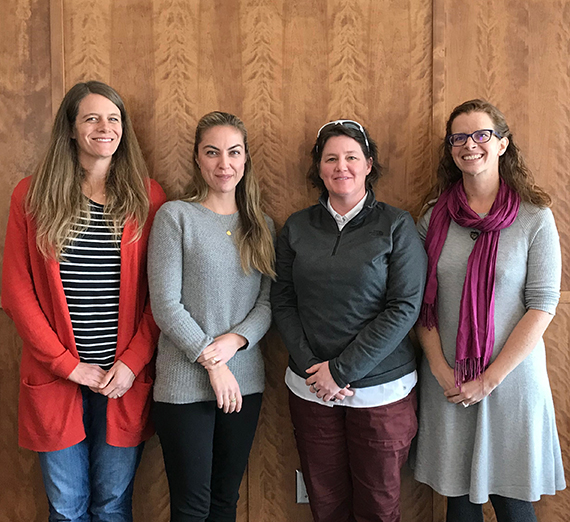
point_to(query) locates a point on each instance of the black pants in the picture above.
(459, 509)
(205, 455)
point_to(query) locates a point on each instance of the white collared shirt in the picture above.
(341, 221)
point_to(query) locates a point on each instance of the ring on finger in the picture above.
(233, 399)
(214, 361)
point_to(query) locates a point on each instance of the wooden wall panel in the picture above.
(25, 109)
(176, 29)
(286, 67)
(556, 508)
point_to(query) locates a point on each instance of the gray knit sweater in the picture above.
(199, 291)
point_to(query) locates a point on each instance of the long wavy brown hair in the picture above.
(254, 239)
(512, 166)
(55, 199)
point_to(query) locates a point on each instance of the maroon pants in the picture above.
(351, 457)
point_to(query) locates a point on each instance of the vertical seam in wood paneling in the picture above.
(438, 73)
(56, 54)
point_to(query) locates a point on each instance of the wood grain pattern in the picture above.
(56, 54)
(25, 106)
(88, 42)
(176, 82)
(22, 495)
(286, 67)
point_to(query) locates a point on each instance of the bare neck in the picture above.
(221, 203)
(95, 180)
(481, 193)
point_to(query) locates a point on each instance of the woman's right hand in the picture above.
(344, 392)
(87, 375)
(446, 378)
(226, 388)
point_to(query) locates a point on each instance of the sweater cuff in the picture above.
(246, 333)
(64, 364)
(341, 383)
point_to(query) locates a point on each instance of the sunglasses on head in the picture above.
(349, 124)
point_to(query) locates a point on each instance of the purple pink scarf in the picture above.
(476, 332)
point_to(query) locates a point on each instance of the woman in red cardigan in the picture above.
(74, 282)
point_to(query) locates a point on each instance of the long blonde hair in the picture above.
(254, 239)
(55, 198)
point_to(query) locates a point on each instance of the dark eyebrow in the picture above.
(345, 152)
(98, 114)
(237, 145)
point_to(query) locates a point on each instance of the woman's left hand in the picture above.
(117, 382)
(321, 381)
(221, 350)
(471, 392)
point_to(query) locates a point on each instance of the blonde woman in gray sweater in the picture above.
(211, 260)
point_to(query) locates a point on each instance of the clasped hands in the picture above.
(113, 383)
(214, 359)
(471, 392)
(322, 383)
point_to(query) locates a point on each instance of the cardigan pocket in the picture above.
(50, 411)
(132, 410)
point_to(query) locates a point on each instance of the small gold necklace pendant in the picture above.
(229, 232)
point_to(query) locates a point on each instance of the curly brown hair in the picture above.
(512, 166)
(370, 150)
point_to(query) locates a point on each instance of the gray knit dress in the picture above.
(199, 291)
(508, 443)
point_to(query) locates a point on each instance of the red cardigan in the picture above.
(50, 407)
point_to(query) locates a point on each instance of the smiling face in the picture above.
(221, 158)
(98, 129)
(477, 159)
(344, 168)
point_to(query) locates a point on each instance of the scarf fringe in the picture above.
(428, 317)
(468, 370)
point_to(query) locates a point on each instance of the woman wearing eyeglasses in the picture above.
(487, 427)
(350, 279)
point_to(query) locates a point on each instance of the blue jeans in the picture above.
(91, 481)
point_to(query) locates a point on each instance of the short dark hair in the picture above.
(369, 150)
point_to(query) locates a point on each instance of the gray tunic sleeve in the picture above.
(542, 290)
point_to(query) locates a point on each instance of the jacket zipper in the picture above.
(337, 242)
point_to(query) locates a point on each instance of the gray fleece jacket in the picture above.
(350, 297)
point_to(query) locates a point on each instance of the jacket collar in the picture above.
(368, 205)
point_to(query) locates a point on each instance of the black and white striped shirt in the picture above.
(90, 271)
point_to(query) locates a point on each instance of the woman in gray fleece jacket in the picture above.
(210, 263)
(350, 280)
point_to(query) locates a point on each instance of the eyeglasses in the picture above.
(479, 136)
(350, 124)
